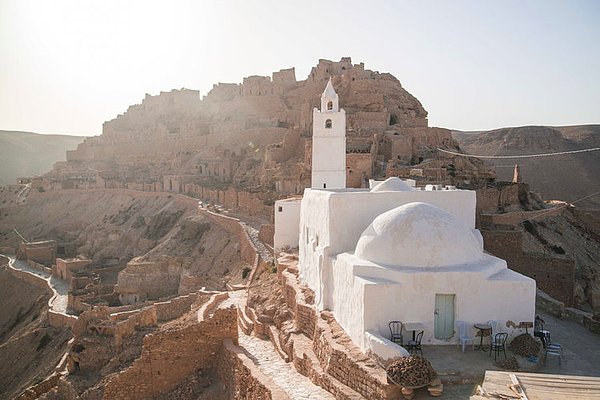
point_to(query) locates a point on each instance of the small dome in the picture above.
(392, 184)
(419, 235)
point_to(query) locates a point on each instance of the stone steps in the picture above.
(284, 375)
(274, 337)
(306, 361)
(244, 322)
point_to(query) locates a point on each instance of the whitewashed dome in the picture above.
(419, 235)
(393, 184)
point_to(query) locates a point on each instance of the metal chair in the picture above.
(415, 345)
(396, 332)
(499, 344)
(554, 349)
(463, 337)
(539, 331)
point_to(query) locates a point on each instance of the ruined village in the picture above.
(291, 239)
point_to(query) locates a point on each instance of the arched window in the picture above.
(328, 124)
(329, 105)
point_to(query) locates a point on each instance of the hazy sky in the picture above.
(67, 66)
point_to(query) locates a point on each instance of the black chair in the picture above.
(539, 331)
(415, 345)
(396, 332)
(499, 344)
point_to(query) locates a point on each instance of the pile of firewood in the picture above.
(524, 345)
(511, 364)
(411, 371)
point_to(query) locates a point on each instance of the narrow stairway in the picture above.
(268, 361)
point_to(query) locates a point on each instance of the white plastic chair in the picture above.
(496, 327)
(463, 335)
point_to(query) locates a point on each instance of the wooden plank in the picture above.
(543, 386)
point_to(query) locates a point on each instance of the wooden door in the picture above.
(444, 316)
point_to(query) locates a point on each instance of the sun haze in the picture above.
(67, 66)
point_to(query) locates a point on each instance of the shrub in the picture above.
(246, 272)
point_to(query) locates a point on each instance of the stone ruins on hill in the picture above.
(256, 136)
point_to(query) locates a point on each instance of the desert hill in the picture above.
(111, 228)
(567, 177)
(256, 136)
(28, 154)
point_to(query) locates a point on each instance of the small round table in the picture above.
(483, 329)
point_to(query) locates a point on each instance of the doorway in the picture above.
(444, 316)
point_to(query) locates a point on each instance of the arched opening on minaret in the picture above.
(393, 119)
(329, 105)
(328, 124)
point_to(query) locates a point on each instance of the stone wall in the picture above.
(266, 234)
(32, 279)
(516, 217)
(338, 365)
(39, 267)
(174, 308)
(359, 168)
(241, 377)
(40, 252)
(248, 252)
(491, 199)
(64, 269)
(168, 357)
(141, 280)
(555, 276)
(60, 320)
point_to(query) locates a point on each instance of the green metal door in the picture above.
(444, 316)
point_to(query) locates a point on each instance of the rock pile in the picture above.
(411, 371)
(525, 345)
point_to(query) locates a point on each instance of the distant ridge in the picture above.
(28, 153)
(566, 177)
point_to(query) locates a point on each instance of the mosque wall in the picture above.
(367, 297)
(331, 223)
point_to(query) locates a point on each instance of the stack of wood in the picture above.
(414, 372)
(525, 345)
(511, 364)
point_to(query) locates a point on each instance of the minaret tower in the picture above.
(329, 143)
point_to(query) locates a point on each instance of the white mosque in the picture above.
(393, 252)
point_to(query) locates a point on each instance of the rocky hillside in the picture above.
(573, 235)
(256, 135)
(112, 227)
(27, 154)
(566, 177)
(30, 348)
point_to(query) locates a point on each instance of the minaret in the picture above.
(329, 143)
